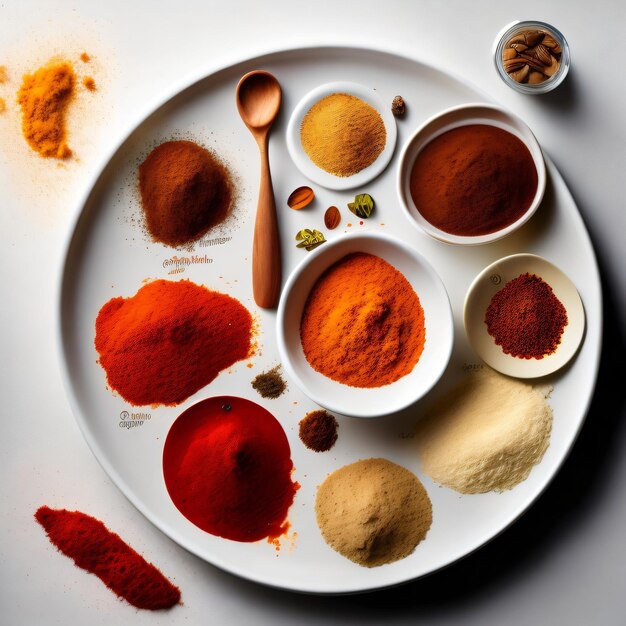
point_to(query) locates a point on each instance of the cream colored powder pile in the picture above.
(373, 512)
(486, 434)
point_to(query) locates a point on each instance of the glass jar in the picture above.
(531, 57)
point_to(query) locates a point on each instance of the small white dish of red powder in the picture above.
(524, 317)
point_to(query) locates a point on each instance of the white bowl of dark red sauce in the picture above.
(471, 174)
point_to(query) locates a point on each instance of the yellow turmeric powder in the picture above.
(342, 134)
(44, 97)
(362, 324)
(3, 106)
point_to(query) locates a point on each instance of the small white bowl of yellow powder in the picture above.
(341, 135)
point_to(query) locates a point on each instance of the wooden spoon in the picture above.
(258, 101)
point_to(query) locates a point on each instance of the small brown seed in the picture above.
(553, 68)
(542, 54)
(534, 78)
(533, 62)
(513, 65)
(518, 39)
(520, 75)
(332, 217)
(397, 106)
(301, 197)
(550, 42)
(533, 37)
(508, 54)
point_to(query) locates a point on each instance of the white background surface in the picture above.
(563, 562)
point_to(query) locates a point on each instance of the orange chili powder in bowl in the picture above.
(363, 324)
(169, 340)
(375, 330)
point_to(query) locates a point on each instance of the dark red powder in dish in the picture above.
(473, 180)
(525, 318)
(227, 467)
(96, 549)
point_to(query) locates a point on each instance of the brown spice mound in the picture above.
(318, 431)
(89, 83)
(44, 97)
(270, 384)
(185, 191)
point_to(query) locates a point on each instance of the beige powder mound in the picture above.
(486, 434)
(373, 512)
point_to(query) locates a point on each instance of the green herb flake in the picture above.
(309, 239)
(362, 206)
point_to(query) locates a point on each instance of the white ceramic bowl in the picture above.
(317, 174)
(491, 280)
(474, 113)
(354, 401)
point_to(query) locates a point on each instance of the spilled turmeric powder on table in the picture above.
(44, 97)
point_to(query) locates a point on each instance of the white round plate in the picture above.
(378, 401)
(317, 174)
(491, 280)
(108, 255)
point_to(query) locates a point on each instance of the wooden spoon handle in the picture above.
(266, 264)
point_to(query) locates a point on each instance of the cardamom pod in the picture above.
(362, 206)
(309, 239)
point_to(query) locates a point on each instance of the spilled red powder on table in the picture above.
(227, 468)
(96, 549)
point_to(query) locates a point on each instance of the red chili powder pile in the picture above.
(96, 549)
(525, 318)
(185, 191)
(473, 180)
(169, 340)
(227, 467)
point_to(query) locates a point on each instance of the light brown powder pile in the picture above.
(373, 512)
(486, 434)
(342, 134)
